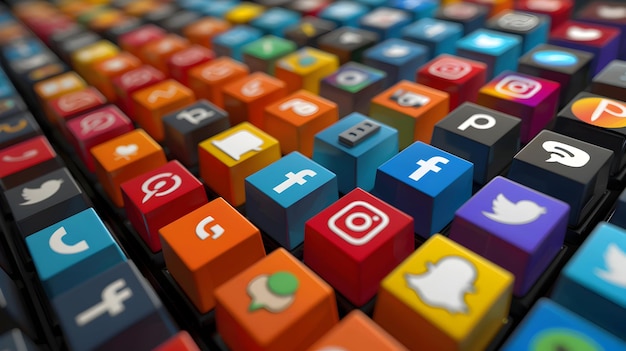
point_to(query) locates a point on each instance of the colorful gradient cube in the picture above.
(534, 100)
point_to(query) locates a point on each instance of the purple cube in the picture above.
(513, 226)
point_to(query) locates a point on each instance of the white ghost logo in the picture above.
(445, 283)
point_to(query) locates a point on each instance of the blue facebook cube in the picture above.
(593, 283)
(426, 183)
(231, 42)
(355, 164)
(399, 58)
(344, 13)
(498, 50)
(281, 197)
(437, 35)
(73, 250)
(114, 310)
(275, 20)
(549, 326)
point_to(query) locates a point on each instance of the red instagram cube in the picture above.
(459, 77)
(354, 243)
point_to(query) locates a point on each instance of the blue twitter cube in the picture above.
(593, 283)
(549, 325)
(498, 50)
(399, 58)
(281, 197)
(386, 22)
(73, 250)
(426, 183)
(355, 163)
(440, 37)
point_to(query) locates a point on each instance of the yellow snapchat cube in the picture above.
(444, 297)
(84, 59)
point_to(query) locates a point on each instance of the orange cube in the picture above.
(151, 104)
(295, 119)
(357, 331)
(202, 31)
(412, 108)
(277, 304)
(55, 87)
(226, 159)
(106, 70)
(123, 158)
(246, 98)
(156, 53)
(208, 246)
(207, 80)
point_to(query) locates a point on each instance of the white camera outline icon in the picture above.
(369, 224)
(504, 87)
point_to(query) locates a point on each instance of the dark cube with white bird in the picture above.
(46, 200)
(513, 226)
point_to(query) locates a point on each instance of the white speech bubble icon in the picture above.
(566, 155)
(273, 293)
(239, 143)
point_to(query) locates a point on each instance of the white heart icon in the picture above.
(583, 34)
(124, 151)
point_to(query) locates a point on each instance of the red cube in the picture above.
(355, 242)
(128, 83)
(96, 127)
(181, 62)
(159, 197)
(459, 77)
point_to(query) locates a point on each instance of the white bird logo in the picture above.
(615, 272)
(507, 212)
(45, 191)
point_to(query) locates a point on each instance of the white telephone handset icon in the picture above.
(216, 229)
(59, 246)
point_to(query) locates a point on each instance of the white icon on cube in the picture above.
(351, 77)
(487, 41)
(294, 178)
(611, 107)
(505, 211)
(429, 165)
(70, 102)
(451, 69)
(26, 155)
(44, 192)
(362, 220)
(57, 244)
(216, 71)
(300, 107)
(112, 303)
(239, 143)
(445, 283)
(216, 230)
(252, 88)
(518, 87)
(96, 122)
(196, 115)
(162, 94)
(125, 151)
(472, 121)
(153, 186)
(135, 78)
(615, 262)
(565, 154)
(396, 50)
